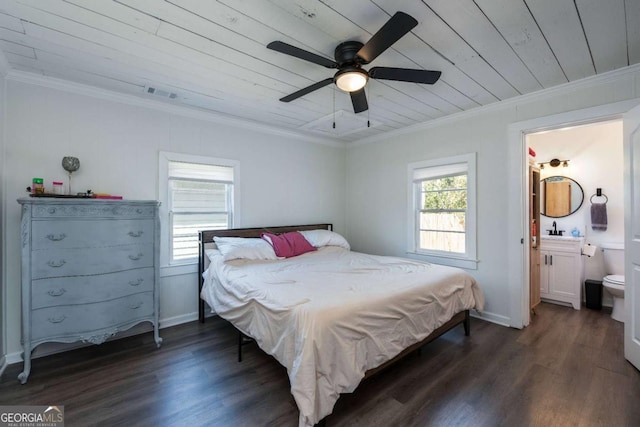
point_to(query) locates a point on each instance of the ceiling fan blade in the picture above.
(359, 101)
(287, 49)
(405, 75)
(307, 90)
(396, 27)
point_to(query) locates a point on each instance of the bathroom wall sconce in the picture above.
(554, 163)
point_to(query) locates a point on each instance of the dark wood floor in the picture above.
(566, 369)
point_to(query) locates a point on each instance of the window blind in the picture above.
(200, 197)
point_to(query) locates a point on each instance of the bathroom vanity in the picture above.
(561, 269)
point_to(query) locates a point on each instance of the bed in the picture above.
(332, 316)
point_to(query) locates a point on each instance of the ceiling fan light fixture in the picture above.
(351, 55)
(351, 79)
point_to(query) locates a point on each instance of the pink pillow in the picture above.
(288, 244)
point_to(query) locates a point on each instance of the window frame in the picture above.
(168, 265)
(468, 259)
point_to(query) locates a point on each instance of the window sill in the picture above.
(179, 270)
(451, 261)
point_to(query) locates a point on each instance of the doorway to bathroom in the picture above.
(518, 224)
(518, 204)
(570, 169)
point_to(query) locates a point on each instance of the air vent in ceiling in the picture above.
(160, 92)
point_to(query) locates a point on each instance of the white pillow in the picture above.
(319, 238)
(244, 248)
(212, 253)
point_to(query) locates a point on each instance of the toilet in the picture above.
(613, 254)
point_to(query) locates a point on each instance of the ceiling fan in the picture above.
(351, 55)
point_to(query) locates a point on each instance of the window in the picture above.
(198, 193)
(442, 194)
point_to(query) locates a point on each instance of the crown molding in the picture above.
(220, 118)
(179, 110)
(562, 89)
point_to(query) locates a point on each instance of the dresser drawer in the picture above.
(69, 320)
(67, 234)
(88, 289)
(82, 262)
(93, 209)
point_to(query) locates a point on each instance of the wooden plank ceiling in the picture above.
(212, 54)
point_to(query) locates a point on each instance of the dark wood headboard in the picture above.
(206, 236)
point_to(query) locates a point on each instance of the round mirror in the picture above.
(560, 196)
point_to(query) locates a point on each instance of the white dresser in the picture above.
(90, 269)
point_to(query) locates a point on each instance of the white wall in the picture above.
(595, 154)
(377, 184)
(2, 240)
(283, 180)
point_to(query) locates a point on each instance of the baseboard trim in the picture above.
(178, 320)
(16, 357)
(12, 358)
(498, 319)
(3, 364)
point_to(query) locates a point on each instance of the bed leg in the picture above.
(242, 340)
(467, 323)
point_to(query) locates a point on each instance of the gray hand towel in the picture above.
(599, 216)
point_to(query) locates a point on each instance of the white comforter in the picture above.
(331, 315)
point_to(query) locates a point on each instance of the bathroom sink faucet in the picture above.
(555, 231)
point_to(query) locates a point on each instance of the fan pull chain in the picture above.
(334, 108)
(368, 109)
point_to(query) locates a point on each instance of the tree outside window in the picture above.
(443, 210)
(442, 213)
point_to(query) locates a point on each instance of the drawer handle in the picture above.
(56, 238)
(139, 211)
(136, 283)
(58, 319)
(135, 306)
(52, 210)
(135, 234)
(57, 293)
(136, 257)
(56, 264)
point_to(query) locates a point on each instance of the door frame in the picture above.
(518, 202)
(631, 130)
